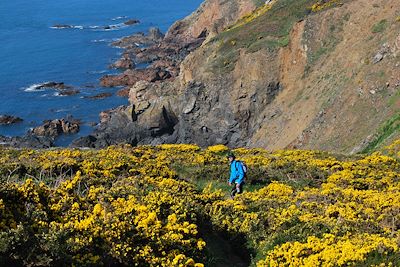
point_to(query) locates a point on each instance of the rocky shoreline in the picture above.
(160, 109)
(163, 108)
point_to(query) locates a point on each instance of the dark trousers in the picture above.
(234, 189)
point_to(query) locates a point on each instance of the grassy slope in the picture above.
(267, 31)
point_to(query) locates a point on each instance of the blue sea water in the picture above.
(31, 52)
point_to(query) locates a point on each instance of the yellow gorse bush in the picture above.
(156, 206)
(323, 4)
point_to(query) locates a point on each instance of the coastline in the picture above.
(70, 92)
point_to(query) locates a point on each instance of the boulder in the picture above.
(54, 128)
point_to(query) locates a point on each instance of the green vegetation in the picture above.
(394, 98)
(384, 132)
(259, 3)
(380, 26)
(268, 31)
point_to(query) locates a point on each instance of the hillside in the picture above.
(288, 74)
(168, 205)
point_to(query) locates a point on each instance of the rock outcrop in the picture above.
(8, 119)
(54, 128)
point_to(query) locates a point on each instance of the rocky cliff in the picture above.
(285, 73)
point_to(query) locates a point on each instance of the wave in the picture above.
(101, 41)
(106, 40)
(62, 27)
(95, 27)
(98, 71)
(58, 94)
(61, 110)
(120, 17)
(111, 27)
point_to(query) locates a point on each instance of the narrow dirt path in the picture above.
(223, 252)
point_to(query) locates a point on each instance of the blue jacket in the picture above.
(237, 173)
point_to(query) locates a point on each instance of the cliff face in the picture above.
(212, 17)
(284, 76)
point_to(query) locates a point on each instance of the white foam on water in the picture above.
(61, 110)
(101, 41)
(34, 87)
(66, 27)
(98, 71)
(120, 17)
(58, 94)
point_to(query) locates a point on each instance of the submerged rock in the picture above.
(99, 96)
(68, 92)
(62, 26)
(53, 85)
(131, 22)
(7, 119)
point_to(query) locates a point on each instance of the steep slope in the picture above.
(330, 95)
(291, 74)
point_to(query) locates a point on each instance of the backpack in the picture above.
(244, 167)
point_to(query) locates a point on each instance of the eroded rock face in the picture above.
(8, 119)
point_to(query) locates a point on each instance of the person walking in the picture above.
(237, 175)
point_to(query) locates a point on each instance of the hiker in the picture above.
(237, 175)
